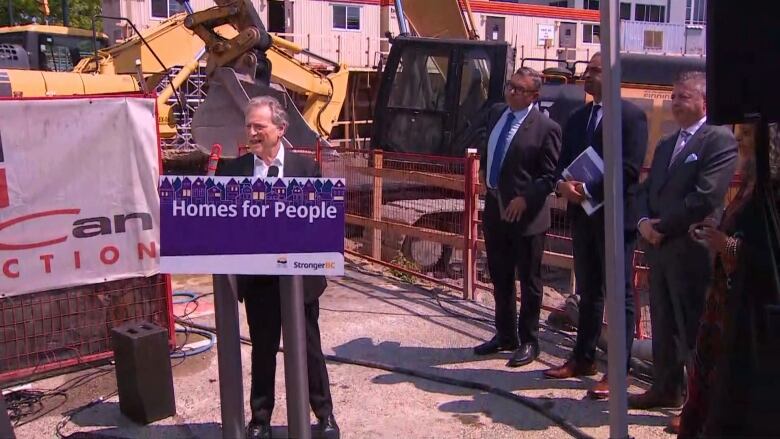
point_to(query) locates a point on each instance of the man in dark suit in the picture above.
(688, 180)
(517, 165)
(266, 122)
(583, 129)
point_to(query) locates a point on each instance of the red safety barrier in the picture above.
(420, 216)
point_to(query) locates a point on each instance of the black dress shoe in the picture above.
(328, 428)
(493, 346)
(526, 354)
(258, 430)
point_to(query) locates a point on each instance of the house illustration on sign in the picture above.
(256, 191)
(338, 192)
(232, 188)
(186, 188)
(166, 192)
(245, 191)
(295, 192)
(198, 191)
(279, 190)
(214, 195)
(310, 193)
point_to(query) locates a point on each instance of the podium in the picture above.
(286, 227)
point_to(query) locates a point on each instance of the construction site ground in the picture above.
(373, 316)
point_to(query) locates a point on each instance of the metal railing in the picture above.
(420, 215)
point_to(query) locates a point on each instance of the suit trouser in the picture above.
(264, 319)
(590, 270)
(680, 273)
(514, 256)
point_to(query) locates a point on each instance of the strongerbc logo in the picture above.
(315, 266)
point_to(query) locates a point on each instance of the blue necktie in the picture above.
(591, 130)
(498, 153)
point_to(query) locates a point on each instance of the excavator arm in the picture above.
(242, 61)
(254, 63)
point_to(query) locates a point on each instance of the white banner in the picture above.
(78, 192)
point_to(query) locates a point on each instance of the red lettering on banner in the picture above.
(46, 262)
(103, 255)
(3, 187)
(150, 251)
(108, 255)
(32, 216)
(7, 268)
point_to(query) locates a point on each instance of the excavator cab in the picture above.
(433, 91)
(46, 47)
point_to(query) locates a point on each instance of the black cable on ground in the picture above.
(26, 405)
(71, 413)
(558, 420)
(640, 370)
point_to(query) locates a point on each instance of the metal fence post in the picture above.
(470, 223)
(376, 207)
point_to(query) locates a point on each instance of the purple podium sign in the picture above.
(252, 225)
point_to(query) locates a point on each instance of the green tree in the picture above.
(27, 11)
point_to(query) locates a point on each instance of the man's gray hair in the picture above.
(278, 114)
(535, 76)
(698, 78)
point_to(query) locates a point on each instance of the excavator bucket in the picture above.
(451, 20)
(220, 118)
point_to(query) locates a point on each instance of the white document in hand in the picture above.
(587, 168)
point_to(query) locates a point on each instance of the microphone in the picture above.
(273, 171)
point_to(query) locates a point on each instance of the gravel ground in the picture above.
(367, 315)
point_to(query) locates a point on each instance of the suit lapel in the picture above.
(291, 164)
(661, 166)
(525, 126)
(585, 118)
(692, 144)
(514, 148)
(248, 164)
(496, 118)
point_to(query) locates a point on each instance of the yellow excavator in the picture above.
(46, 47)
(242, 61)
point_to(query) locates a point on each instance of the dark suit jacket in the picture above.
(529, 165)
(689, 190)
(294, 166)
(634, 124)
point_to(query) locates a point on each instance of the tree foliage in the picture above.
(27, 11)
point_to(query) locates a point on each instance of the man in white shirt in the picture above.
(266, 122)
(583, 130)
(688, 180)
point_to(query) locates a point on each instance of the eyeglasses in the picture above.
(518, 89)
